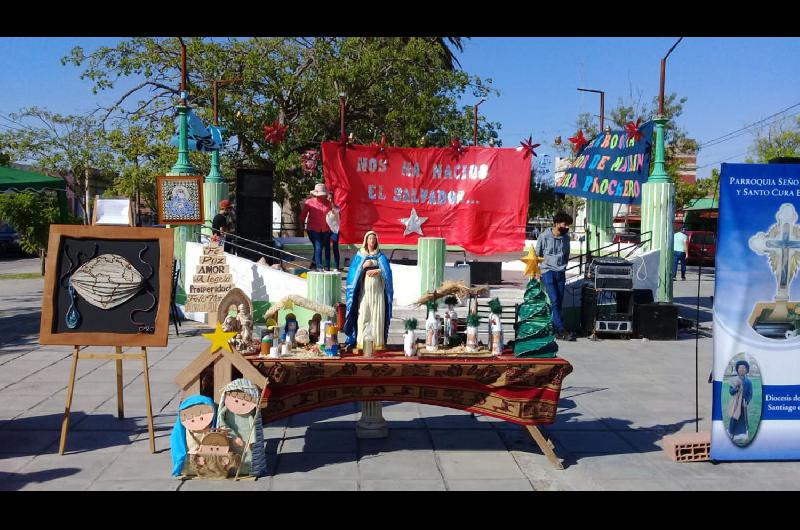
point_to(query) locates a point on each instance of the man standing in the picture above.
(680, 251)
(553, 246)
(220, 225)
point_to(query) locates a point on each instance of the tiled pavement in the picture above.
(615, 408)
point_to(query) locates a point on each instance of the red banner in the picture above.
(476, 197)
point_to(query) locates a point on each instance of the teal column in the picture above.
(183, 166)
(430, 260)
(215, 189)
(658, 214)
(600, 216)
(324, 287)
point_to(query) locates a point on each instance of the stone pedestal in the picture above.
(430, 260)
(371, 424)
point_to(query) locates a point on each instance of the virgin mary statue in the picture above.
(369, 294)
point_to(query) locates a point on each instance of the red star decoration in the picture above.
(381, 146)
(633, 129)
(528, 146)
(275, 133)
(458, 149)
(578, 141)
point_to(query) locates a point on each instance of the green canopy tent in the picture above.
(14, 180)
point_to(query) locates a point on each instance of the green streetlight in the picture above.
(658, 201)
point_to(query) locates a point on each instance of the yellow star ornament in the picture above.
(532, 262)
(219, 339)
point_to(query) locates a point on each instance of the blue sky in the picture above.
(729, 82)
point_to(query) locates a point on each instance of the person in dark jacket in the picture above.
(553, 246)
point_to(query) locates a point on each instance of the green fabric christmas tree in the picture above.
(535, 333)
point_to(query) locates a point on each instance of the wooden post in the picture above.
(70, 386)
(120, 407)
(147, 399)
(223, 371)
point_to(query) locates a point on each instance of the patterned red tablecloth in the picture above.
(523, 391)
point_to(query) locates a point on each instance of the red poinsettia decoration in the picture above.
(310, 159)
(633, 129)
(381, 146)
(458, 149)
(528, 146)
(275, 133)
(578, 141)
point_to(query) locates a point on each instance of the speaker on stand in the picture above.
(253, 212)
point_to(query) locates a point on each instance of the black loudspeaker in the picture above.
(253, 213)
(657, 321)
(489, 272)
(637, 296)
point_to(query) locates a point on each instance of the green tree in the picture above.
(405, 88)
(777, 142)
(64, 144)
(31, 215)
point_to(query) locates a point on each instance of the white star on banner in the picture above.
(413, 223)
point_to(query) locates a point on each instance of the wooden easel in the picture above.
(118, 356)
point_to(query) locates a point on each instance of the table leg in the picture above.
(120, 406)
(545, 445)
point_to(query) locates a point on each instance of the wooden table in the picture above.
(522, 391)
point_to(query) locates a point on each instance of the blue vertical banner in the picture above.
(756, 395)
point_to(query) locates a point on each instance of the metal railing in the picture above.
(586, 258)
(272, 254)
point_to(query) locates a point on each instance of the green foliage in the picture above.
(31, 214)
(778, 142)
(57, 143)
(451, 300)
(406, 88)
(432, 305)
(410, 323)
(5, 159)
(495, 306)
(473, 320)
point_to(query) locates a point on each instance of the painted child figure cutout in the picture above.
(196, 416)
(239, 413)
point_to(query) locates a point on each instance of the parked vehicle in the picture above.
(627, 237)
(9, 239)
(702, 247)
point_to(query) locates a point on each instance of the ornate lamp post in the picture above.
(215, 188)
(183, 166)
(475, 122)
(658, 201)
(599, 214)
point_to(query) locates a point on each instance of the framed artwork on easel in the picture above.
(179, 200)
(107, 286)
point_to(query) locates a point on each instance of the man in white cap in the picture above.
(316, 209)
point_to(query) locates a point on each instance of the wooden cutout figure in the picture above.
(214, 458)
(239, 413)
(196, 417)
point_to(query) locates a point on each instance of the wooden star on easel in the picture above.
(532, 262)
(219, 339)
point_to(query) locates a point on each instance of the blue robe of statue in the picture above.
(355, 282)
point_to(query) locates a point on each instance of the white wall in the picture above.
(259, 282)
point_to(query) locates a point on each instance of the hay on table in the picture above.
(293, 300)
(457, 288)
